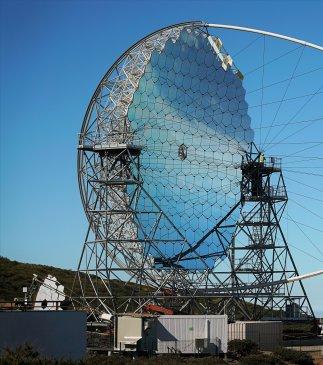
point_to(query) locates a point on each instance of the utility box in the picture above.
(191, 334)
(136, 333)
(266, 334)
(129, 332)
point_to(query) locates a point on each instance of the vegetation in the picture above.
(26, 355)
(20, 355)
(293, 356)
(301, 329)
(261, 359)
(239, 348)
(15, 275)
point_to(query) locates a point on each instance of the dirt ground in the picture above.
(318, 360)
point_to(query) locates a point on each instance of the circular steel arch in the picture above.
(183, 24)
(197, 23)
(97, 91)
(110, 70)
(263, 32)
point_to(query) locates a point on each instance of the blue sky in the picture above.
(53, 54)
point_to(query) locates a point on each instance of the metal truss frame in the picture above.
(259, 252)
(117, 245)
(115, 273)
(107, 161)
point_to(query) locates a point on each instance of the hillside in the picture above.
(14, 275)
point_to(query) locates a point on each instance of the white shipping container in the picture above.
(267, 334)
(190, 334)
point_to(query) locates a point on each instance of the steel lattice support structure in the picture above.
(116, 241)
(172, 108)
(259, 252)
(129, 232)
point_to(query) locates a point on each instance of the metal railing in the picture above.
(272, 161)
(194, 346)
(40, 305)
(274, 192)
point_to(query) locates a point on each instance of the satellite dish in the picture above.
(49, 295)
(162, 154)
(185, 114)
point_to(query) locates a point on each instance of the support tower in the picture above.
(259, 253)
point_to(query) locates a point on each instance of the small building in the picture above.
(266, 334)
(186, 334)
(130, 329)
(192, 334)
(54, 334)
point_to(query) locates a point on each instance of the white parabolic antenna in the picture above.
(49, 295)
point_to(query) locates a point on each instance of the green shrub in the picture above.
(296, 357)
(22, 354)
(27, 355)
(261, 359)
(170, 359)
(309, 328)
(242, 347)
